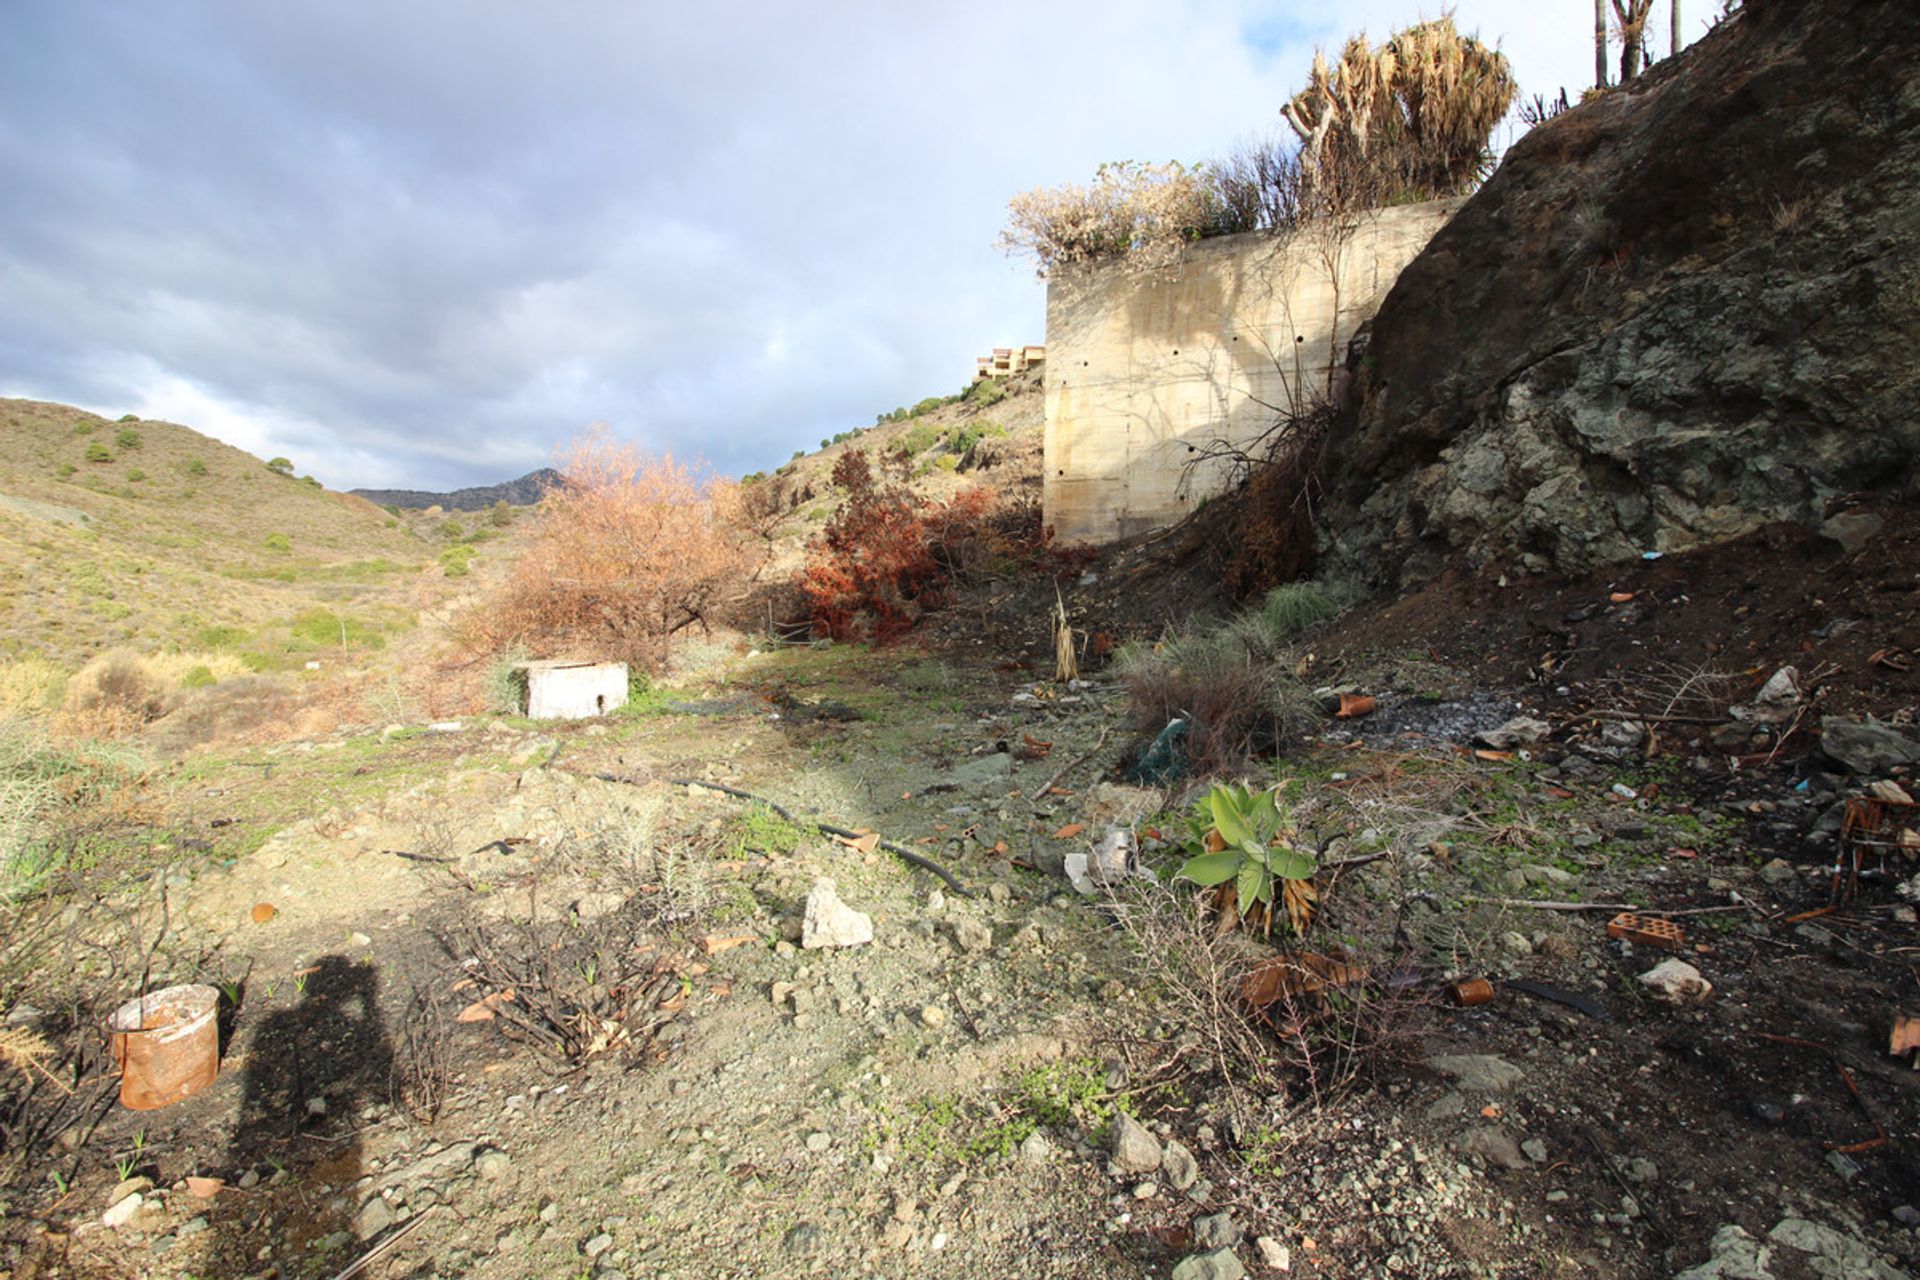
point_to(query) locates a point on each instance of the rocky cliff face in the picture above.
(1681, 311)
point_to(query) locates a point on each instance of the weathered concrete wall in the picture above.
(1144, 370)
(574, 691)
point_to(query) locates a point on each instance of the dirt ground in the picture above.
(675, 1088)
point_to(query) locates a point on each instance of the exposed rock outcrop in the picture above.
(1679, 312)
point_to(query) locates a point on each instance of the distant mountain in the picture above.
(524, 492)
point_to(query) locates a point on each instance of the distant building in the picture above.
(1009, 360)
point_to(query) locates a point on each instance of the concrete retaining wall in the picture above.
(1143, 370)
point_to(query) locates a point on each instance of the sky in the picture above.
(427, 244)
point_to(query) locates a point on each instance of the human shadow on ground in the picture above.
(309, 1070)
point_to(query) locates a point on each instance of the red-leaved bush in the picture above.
(887, 557)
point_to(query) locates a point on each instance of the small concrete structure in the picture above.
(560, 690)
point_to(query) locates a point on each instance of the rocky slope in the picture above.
(1676, 313)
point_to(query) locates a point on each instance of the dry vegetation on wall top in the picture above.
(151, 536)
(1407, 121)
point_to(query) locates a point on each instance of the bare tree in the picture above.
(1599, 44)
(1632, 17)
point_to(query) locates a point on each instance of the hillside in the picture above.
(524, 492)
(1676, 313)
(153, 535)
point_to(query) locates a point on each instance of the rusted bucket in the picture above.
(167, 1044)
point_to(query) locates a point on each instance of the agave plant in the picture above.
(1243, 846)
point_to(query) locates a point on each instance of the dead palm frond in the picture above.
(27, 1052)
(1410, 118)
(1066, 664)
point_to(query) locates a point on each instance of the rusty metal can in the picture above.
(1472, 991)
(167, 1044)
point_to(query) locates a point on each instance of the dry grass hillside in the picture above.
(152, 536)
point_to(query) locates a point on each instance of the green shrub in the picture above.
(325, 629)
(67, 469)
(129, 417)
(987, 391)
(506, 685)
(127, 438)
(501, 515)
(311, 481)
(220, 638)
(281, 466)
(456, 562)
(135, 476)
(452, 531)
(83, 428)
(947, 462)
(1240, 835)
(961, 439)
(197, 677)
(917, 441)
(97, 452)
(39, 781)
(279, 543)
(1285, 614)
(195, 467)
(761, 830)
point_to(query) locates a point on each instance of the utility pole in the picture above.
(1599, 44)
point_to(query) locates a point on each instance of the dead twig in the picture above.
(1880, 1138)
(1558, 906)
(898, 850)
(1054, 781)
(398, 1234)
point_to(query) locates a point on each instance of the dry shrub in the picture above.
(1238, 706)
(1304, 1024)
(120, 691)
(630, 550)
(31, 686)
(1233, 682)
(1271, 539)
(113, 695)
(1144, 213)
(1409, 120)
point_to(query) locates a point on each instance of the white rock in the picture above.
(121, 1212)
(1778, 697)
(1273, 1254)
(1676, 982)
(1516, 732)
(830, 922)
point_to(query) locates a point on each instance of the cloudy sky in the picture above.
(426, 243)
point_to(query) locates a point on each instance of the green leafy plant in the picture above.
(97, 452)
(281, 466)
(127, 438)
(1240, 843)
(278, 542)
